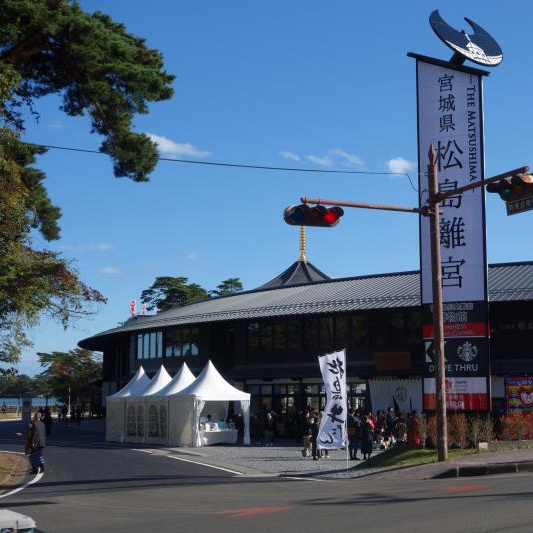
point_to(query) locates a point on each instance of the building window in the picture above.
(253, 340)
(266, 336)
(326, 333)
(280, 336)
(173, 341)
(311, 337)
(359, 335)
(294, 335)
(150, 345)
(181, 342)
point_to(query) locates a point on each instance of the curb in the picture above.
(485, 470)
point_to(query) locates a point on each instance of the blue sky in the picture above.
(308, 84)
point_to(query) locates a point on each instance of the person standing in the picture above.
(315, 426)
(239, 426)
(367, 434)
(38, 443)
(306, 435)
(270, 429)
(353, 426)
(47, 421)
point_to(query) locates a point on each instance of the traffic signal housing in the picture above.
(515, 188)
(318, 215)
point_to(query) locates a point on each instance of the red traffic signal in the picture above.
(515, 188)
(319, 215)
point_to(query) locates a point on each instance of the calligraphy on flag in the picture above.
(332, 431)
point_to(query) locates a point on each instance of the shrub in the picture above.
(423, 429)
(458, 430)
(517, 426)
(431, 431)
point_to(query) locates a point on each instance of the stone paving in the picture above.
(285, 459)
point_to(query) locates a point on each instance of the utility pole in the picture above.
(438, 320)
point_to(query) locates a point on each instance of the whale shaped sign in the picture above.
(479, 47)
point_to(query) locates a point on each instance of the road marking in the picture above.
(254, 511)
(208, 465)
(465, 488)
(22, 487)
(151, 452)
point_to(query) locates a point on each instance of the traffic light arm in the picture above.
(433, 200)
(362, 205)
(439, 197)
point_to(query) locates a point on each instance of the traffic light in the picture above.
(319, 215)
(515, 188)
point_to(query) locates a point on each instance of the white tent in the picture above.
(137, 418)
(210, 393)
(116, 406)
(157, 406)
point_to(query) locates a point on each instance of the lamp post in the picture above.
(432, 210)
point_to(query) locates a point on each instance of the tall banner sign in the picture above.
(450, 118)
(332, 431)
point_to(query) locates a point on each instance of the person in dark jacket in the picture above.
(367, 434)
(315, 426)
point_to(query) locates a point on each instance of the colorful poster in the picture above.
(332, 431)
(519, 393)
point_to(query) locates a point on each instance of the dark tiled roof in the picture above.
(507, 282)
(298, 273)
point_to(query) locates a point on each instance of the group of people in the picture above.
(387, 428)
(310, 428)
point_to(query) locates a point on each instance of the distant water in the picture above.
(36, 402)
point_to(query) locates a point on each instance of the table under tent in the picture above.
(209, 394)
(175, 411)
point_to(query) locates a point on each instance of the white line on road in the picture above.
(204, 464)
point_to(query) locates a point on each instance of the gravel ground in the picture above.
(283, 458)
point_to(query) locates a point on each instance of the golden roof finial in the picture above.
(302, 245)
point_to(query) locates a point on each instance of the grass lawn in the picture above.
(408, 456)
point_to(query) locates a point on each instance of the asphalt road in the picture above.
(92, 486)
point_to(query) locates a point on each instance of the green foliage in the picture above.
(32, 282)
(75, 369)
(19, 386)
(168, 292)
(403, 456)
(228, 286)
(99, 70)
(54, 47)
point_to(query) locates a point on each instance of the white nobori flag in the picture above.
(332, 432)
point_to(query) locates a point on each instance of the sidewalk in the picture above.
(285, 459)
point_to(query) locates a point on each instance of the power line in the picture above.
(241, 165)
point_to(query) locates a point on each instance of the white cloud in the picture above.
(330, 158)
(166, 146)
(399, 165)
(93, 247)
(290, 155)
(324, 161)
(191, 256)
(351, 159)
(112, 271)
